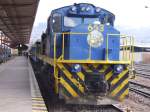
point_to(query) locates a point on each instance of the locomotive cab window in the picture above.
(91, 20)
(56, 22)
(75, 21)
(72, 21)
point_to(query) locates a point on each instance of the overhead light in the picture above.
(74, 8)
(83, 9)
(98, 9)
(87, 9)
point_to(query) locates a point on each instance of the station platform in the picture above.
(19, 91)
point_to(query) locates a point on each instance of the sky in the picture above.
(132, 17)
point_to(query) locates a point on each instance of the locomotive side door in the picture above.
(55, 27)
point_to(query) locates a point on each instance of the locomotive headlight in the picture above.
(118, 68)
(76, 68)
(95, 38)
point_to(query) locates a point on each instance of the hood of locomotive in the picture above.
(78, 48)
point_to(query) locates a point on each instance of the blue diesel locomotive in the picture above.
(81, 51)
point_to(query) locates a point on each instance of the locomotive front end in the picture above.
(90, 61)
(87, 55)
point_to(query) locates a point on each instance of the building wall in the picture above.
(14, 51)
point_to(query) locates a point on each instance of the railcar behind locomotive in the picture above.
(5, 53)
(81, 47)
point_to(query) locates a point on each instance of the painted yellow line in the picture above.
(69, 76)
(39, 111)
(68, 87)
(116, 90)
(81, 75)
(37, 102)
(115, 80)
(38, 105)
(37, 99)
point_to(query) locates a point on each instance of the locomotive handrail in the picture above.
(125, 43)
(129, 56)
(126, 47)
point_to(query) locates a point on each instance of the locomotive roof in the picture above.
(64, 10)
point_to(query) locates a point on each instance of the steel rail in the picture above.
(140, 92)
(134, 83)
(136, 90)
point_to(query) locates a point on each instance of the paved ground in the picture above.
(15, 94)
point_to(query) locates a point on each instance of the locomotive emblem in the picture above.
(95, 37)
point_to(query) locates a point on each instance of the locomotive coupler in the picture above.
(96, 84)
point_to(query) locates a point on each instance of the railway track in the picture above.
(146, 65)
(93, 108)
(143, 70)
(140, 89)
(84, 108)
(143, 74)
(62, 106)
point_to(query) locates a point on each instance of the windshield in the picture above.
(74, 21)
(91, 20)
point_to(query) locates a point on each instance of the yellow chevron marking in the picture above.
(104, 68)
(95, 65)
(124, 94)
(115, 80)
(81, 75)
(116, 90)
(108, 76)
(69, 76)
(68, 87)
(86, 68)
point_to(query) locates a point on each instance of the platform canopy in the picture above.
(17, 18)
